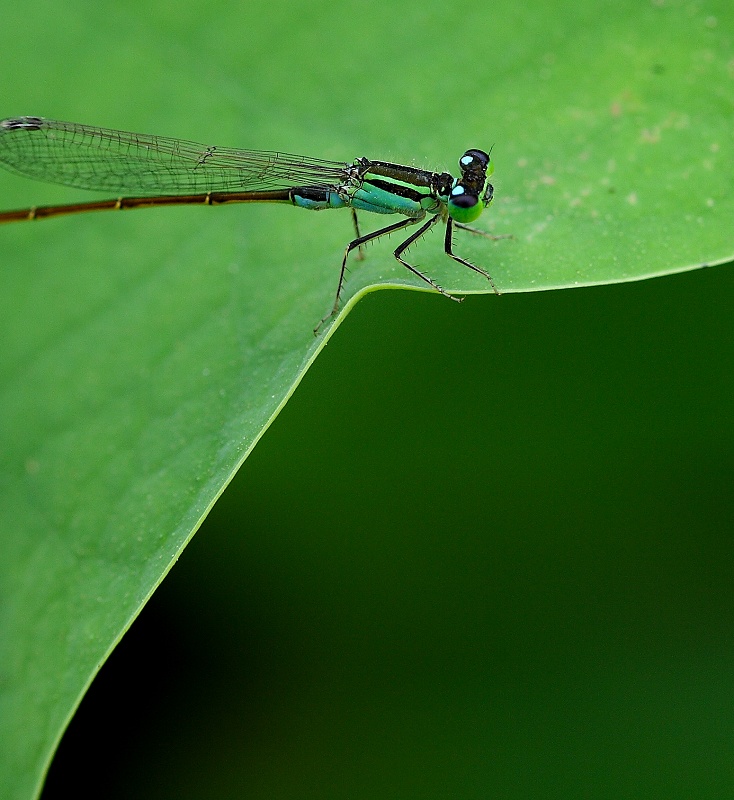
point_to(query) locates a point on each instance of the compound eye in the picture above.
(473, 159)
(464, 206)
(460, 198)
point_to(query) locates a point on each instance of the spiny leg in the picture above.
(448, 248)
(358, 235)
(358, 242)
(493, 237)
(406, 244)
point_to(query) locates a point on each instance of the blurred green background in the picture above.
(533, 600)
(485, 550)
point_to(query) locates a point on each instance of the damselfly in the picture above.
(158, 171)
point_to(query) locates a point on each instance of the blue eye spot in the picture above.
(457, 190)
(475, 157)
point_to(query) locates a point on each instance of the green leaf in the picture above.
(144, 354)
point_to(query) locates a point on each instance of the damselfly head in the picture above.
(471, 193)
(474, 160)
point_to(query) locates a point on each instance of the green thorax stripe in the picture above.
(407, 182)
(399, 188)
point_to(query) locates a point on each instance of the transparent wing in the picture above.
(100, 159)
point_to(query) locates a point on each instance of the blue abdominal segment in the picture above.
(317, 199)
